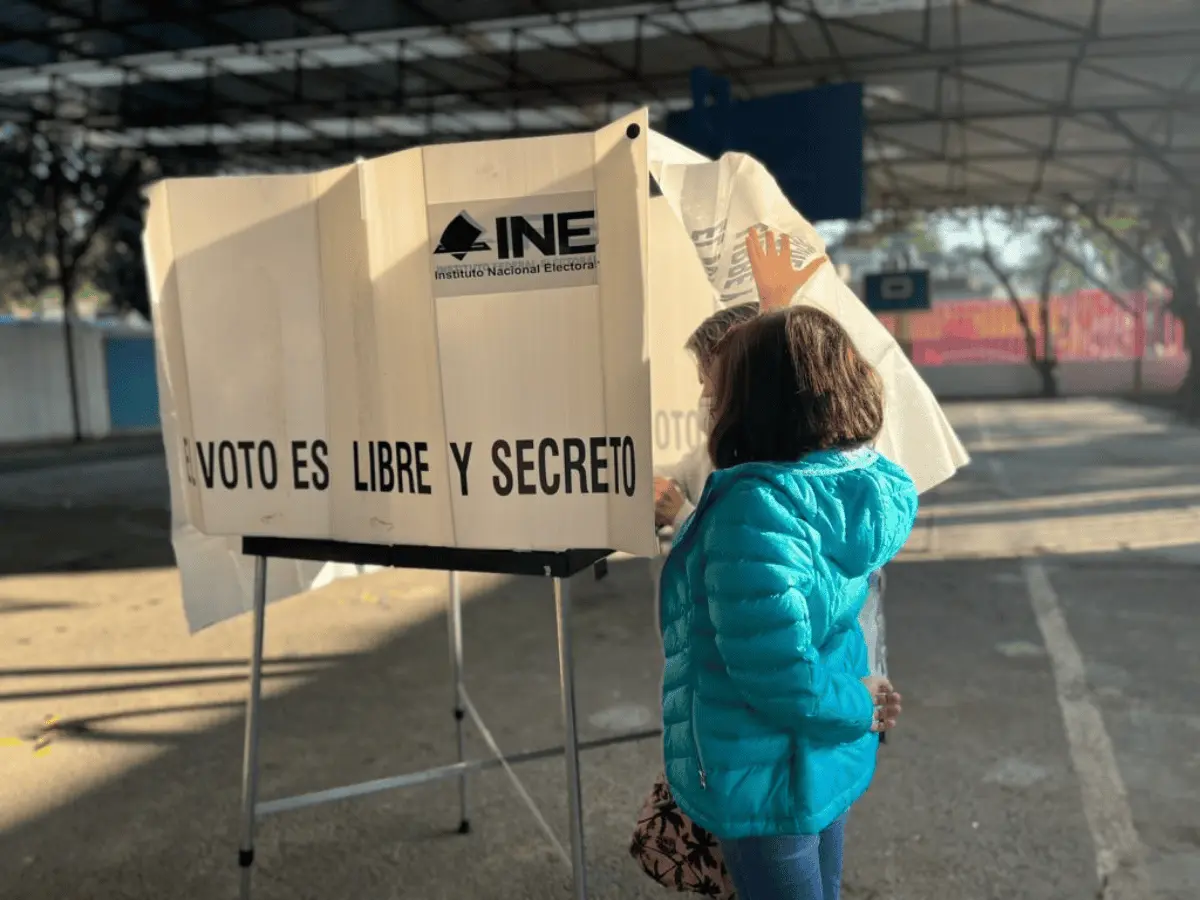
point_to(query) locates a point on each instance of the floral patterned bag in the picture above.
(675, 851)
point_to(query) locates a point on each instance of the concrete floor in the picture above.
(995, 786)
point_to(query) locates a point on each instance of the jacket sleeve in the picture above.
(758, 575)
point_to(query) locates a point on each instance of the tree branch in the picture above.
(1121, 244)
(1076, 263)
(1185, 295)
(113, 198)
(988, 257)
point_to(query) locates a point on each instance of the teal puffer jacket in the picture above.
(766, 722)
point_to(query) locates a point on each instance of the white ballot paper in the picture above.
(718, 202)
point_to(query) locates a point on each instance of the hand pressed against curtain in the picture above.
(771, 263)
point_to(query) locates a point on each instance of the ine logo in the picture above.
(543, 242)
(462, 236)
(518, 237)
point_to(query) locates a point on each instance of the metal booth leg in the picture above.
(456, 673)
(566, 669)
(250, 752)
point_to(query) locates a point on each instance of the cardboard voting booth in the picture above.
(445, 346)
(438, 358)
(459, 357)
(696, 262)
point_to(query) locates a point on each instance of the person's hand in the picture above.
(771, 265)
(887, 702)
(668, 500)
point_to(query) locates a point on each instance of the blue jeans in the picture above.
(788, 867)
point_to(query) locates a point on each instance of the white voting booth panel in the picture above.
(445, 346)
(438, 358)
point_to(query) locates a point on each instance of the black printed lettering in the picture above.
(524, 466)
(359, 484)
(299, 464)
(567, 234)
(629, 465)
(404, 467)
(462, 460)
(268, 465)
(503, 480)
(548, 486)
(574, 454)
(227, 462)
(320, 456)
(391, 467)
(502, 251)
(233, 464)
(604, 464)
(247, 448)
(523, 230)
(387, 475)
(615, 444)
(208, 467)
(599, 464)
(421, 448)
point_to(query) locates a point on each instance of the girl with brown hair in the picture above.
(769, 710)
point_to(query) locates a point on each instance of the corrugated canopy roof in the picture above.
(969, 101)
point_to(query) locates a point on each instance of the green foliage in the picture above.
(59, 197)
(71, 214)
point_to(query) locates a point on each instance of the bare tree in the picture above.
(58, 195)
(1175, 226)
(1180, 235)
(71, 213)
(1042, 358)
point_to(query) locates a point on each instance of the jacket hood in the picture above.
(861, 505)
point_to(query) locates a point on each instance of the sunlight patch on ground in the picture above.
(107, 657)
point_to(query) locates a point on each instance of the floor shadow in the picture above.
(188, 665)
(101, 514)
(37, 541)
(10, 606)
(154, 685)
(168, 826)
(352, 718)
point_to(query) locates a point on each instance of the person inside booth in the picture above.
(677, 492)
(770, 715)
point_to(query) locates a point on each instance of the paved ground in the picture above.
(1048, 717)
(40, 455)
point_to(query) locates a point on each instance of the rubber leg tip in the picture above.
(464, 827)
